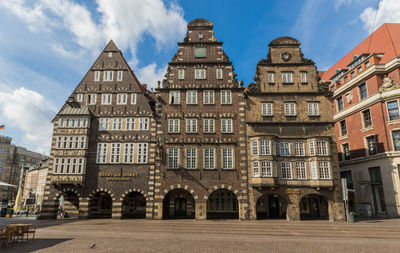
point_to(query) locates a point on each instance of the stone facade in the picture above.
(293, 167)
(103, 146)
(35, 182)
(202, 161)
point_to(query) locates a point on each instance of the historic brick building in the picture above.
(103, 146)
(365, 86)
(293, 167)
(202, 171)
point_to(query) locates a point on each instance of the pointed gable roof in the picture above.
(111, 47)
(386, 39)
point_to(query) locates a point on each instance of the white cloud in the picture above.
(30, 112)
(388, 12)
(150, 75)
(124, 21)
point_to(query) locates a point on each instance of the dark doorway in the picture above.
(222, 204)
(314, 207)
(271, 206)
(273, 203)
(178, 204)
(100, 206)
(180, 208)
(134, 206)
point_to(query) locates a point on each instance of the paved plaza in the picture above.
(210, 236)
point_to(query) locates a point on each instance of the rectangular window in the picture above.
(79, 97)
(119, 75)
(267, 109)
(130, 124)
(303, 77)
(343, 128)
(313, 108)
(226, 97)
(209, 158)
(108, 75)
(219, 73)
(143, 123)
(82, 142)
(173, 157)
(265, 148)
(254, 147)
(271, 77)
(191, 97)
(299, 149)
(133, 98)
(314, 173)
(284, 148)
(286, 170)
(322, 148)
(266, 169)
(396, 140)
(349, 179)
(181, 74)
(92, 99)
(117, 124)
(301, 170)
(97, 75)
(371, 142)
(227, 158)
(128, 154)
(191, 125)
(346, 151)
(359, 70)
(208, 97)
(142, 153)
(290, 108)
(226, 125)
(363, 91)
(173, 125)
(393, 110)
(122, 98)
(256, 169)
(209, 125)
(323, 167)
(367, 118)
(200, 52)
(106, 99)
(340, 105)
(287, 77)
(352, 74)
(175, 97)
(191, 158)
(199, 74)
(115, 152)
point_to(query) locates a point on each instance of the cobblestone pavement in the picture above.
(210, 236)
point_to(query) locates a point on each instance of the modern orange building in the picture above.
(365, 86)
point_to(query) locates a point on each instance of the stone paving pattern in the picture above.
(210, 236)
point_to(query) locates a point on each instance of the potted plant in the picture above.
(9, 213)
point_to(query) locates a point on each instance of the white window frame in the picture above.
(200, 74)
(219, 73)
(108, 75)
(96, 75)
(133, 98)
(311, 148)
(129, 150)
(301, 170)
(122, 98)
(286, 170)
(324, 170)
(175, 97)
(287, 77)
(271, 77)
(314, 172)
(209, 158)
(130, 123)
(209, 125)
(120, 74)
(117, 123)
(265, 147)
(106, 98)
(226, 125)
(227, 158)
(144, 123)
(181, 74)
(92, 99)
(313, 108)
(254, 147)
(266, 168)
(298, 149)
(174, 125)
(290, 109)
(191, 97)
(115, 153)
(303, 76)
(267, 109)
(256, 169)
(322, 148)
(142, 152)
(208, 97)
(173, 158)
(79, 97)
(191, 158)
(191, 125)
(284, 148)
(226, 97)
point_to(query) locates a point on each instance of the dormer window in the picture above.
(200, 52)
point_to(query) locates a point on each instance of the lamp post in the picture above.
(19, 193)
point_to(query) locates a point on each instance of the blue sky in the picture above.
(48, 45)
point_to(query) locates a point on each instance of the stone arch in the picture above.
(101, 190)
(223, 203)
(179, 202)
(133, 204)
(69, 206)
(178, 186)
(127, 192)
(314, 206)
(101, 203)
(225, 187)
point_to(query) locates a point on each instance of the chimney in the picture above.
(144, 86)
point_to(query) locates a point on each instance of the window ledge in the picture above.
(394, 122)
(366, 129)
(343, 137)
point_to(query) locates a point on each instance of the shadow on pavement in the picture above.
(33, 245)
(36, 223)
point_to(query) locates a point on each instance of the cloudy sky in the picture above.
(48, 45)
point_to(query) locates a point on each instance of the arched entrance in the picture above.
(178, 204)
(100, 205)
(134, 206)
(67, 204)
(314, 206)
(271, 206)
(222, 204)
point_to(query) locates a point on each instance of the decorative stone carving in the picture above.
(388, 85)
(349, 97)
